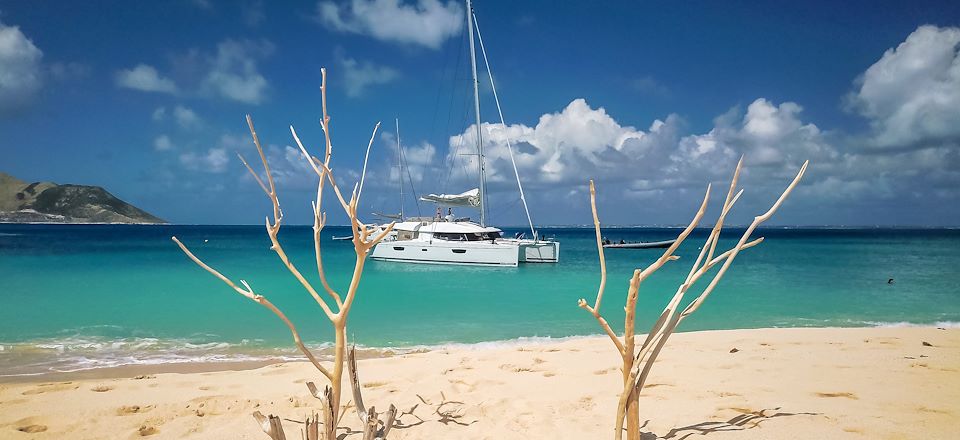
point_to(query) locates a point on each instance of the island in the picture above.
(48, 202)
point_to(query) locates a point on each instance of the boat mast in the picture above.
(399, 168)
(476, 108)
(486, 62)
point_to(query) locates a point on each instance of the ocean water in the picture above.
(75, 297)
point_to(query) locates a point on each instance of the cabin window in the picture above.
(470, 236)
(407, 235)
(459, 251)
(398, 248)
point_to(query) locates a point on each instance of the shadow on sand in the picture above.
(747, 420)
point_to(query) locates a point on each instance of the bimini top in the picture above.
(445, 227)
(465, 199)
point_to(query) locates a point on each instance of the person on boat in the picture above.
(438, 216)
(622, 242)
(450, 217)
(606, 240)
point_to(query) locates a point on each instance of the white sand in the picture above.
(782, 383)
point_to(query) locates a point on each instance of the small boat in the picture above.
(641, 245)
(346, 237)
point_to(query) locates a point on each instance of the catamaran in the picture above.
(450, 240)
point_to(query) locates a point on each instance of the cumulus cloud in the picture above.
(214, 160)
(186, 118)
(648, 85)
(20, 70)
(662, 162)
(145, 78)
(359, 76)
(425, 23)
(912, 94)
(565, 146)
(234, 73)
(162, 143)
(159, 114)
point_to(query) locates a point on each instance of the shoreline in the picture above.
(258, 359)
(838, 383)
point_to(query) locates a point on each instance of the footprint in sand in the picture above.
(31, 429)
(101, 388)
(845, 395)
(51, 387)
(148, 430)
(515, 369)
(133, 409)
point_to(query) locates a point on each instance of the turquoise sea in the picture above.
(76, 297)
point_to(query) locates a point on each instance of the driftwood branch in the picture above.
(638, 361)
(338, 312)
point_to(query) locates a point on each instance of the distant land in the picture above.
(47, 202)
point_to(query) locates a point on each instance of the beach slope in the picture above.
(740, 384)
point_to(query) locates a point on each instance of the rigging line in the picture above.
(453, 95)
(403, 157)
(443, 76)
(504, 124)
(453, 85)
(508, 207)
(456, 153)
(399, 168)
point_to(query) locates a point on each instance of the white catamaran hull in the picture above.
(443, 252)
(537, 251)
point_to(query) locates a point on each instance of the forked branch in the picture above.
(364, 240)
(638, 361)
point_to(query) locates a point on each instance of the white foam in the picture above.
(941, 324)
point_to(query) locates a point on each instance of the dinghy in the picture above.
(641, 245)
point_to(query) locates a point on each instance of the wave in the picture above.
(76, 353)
(80, 353)
(940, 324)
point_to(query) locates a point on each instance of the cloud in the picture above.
(234, 73)
(68, 71)
(163, 143)
(660, 163)
(145, 78)
(252, 13)
(358, 76)
(186, 118)
(912, 94)
(565, 147)
(159, 114)
(214, 160)
(648, 85)
(21, 76)
(426, 23)
(203, 4)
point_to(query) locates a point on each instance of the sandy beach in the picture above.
(878, 383)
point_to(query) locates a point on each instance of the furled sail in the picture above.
(469, 198)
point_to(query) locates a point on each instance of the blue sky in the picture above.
(652, 100)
